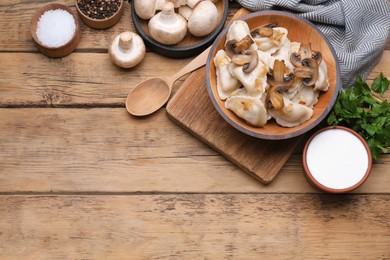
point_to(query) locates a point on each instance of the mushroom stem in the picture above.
(125, 40)
(168, 8)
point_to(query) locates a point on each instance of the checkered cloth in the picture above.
(357, 29)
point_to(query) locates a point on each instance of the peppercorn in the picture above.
(98, 9)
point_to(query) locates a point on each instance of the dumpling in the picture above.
(283, 54)
(251, 109)
(255, 82)
(226, 83)
(237, 31)
(306, 96)
(292, 114)
(322, 82)
(273, 43)
(292, 91)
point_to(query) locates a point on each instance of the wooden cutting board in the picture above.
(192, 109)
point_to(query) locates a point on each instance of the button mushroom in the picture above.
(127, 50)
(248, 60)
(204, 19)
(279, 83)
(190, 3)
(185, 11)
(167, 27)
(146, 9)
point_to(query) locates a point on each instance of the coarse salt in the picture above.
(56, 28)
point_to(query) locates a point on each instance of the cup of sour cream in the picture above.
(337, 160)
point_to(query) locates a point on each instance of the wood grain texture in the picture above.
(66, 48)
(192, 109)
(195, 227)
(105, 150)
(16, 16)
(30, 79)
(88, 79)
(15, 21)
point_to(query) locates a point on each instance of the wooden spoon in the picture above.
(151, 94)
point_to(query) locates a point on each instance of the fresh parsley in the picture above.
(366, 111)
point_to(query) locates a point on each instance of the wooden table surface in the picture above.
(82, 179)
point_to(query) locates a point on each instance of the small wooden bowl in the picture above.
(319, 180)
(299, 30)
(55, 52)
(190, 45)
(101, 23)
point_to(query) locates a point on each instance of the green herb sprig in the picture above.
(366, 111)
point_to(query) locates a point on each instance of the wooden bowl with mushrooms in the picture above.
(272, 75)
(193, 25)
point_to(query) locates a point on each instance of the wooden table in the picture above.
(82, 179)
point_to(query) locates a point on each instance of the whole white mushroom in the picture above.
(204, 19)
(146, 9)
(127, 50)
(190, 3)
(185, 11)
(167, 27)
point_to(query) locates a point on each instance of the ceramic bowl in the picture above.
(101, 23)
(55, 52)
(336, 160)
(299, 30)
(190, 45)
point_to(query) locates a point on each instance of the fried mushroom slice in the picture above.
(234, 47)
(248, 60)
(264, 30)
(279, 83)
(308, 72)
(305, 52)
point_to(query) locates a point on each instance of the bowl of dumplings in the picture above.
(272, 75)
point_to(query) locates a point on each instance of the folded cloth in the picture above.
(357, 29)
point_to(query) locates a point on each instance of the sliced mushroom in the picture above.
(264, 31)
(241, 59)
(279, 83)
(305, 52)
(248, 60)
(275, 99)
(234, 47)
(309, 72)
(230, 48)
(244, 44)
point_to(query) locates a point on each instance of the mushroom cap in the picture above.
(127, 50)
(204, 19)
(167, 27)
(145, 9)
(185, 11)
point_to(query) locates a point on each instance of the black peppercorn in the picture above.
(98, 9)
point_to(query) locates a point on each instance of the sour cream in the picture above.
(337, 159)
